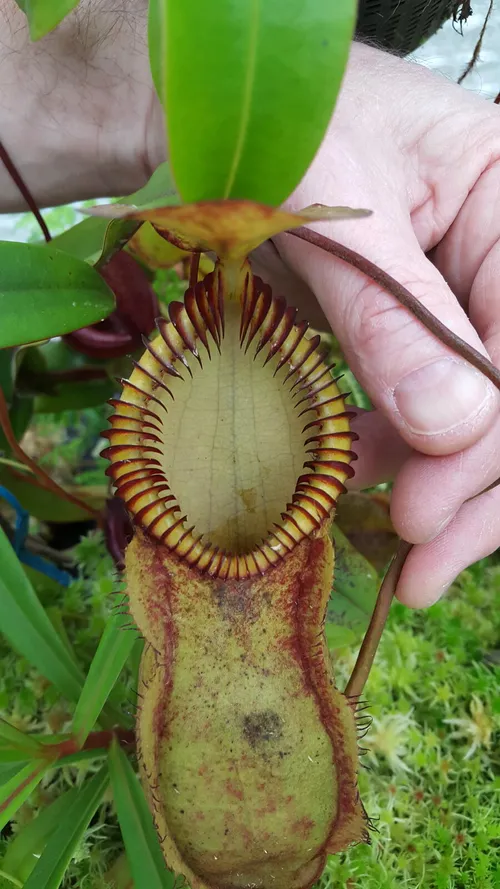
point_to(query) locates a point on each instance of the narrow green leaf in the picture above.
(8, 770)
(139, 836)
(15, 791)
(16, 746)
(114, 648)
(28, 844)
(44, 15)
(25, 624)
(45, 292)
(249, 89)
(94, 238)
(51, 866)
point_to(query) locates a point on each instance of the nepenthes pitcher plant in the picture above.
(230, 445)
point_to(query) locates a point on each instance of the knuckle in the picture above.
(381, 327)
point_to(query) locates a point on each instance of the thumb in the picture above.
(436, 400)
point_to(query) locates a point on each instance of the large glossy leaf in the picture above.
(44, 292)
(45, 15)
(51, 866)
(249, 89)
(139, 836)
(25, 624)
(114, 648)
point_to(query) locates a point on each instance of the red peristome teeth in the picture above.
(254, 331)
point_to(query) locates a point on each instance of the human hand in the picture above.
(424, 155)
(78, 112)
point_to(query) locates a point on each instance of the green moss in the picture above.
(433, 748)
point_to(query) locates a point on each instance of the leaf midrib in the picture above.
(248, 87)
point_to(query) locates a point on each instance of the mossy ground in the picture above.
(433, 751)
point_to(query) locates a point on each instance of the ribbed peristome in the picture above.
(230, 442)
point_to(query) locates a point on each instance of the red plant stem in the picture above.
(95, 741)
(375, 629)
(23, 188)
(433, 324)
(44, 480)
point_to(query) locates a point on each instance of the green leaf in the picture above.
(94, 238)
(8, 770)
(29, 842)
(44, 292)
(355, 587)
(39, 502)
(159, 189)
(51, 866)
(117, 233)
(25, 624)
(7, 373)
(44, 15)
(83, 240)
(249, 89)
(15, 791)
(139, 836)
(112, 653)
(20, 407)
(16, 746)
(75, 396)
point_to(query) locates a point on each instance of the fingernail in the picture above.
(441, 396)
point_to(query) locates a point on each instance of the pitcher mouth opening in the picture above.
(230, 443)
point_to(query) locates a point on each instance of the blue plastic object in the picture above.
(23, 554)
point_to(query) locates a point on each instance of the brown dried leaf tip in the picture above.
(230, 446)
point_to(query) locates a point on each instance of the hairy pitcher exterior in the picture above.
(230, 445)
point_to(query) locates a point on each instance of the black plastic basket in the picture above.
(402, 25)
